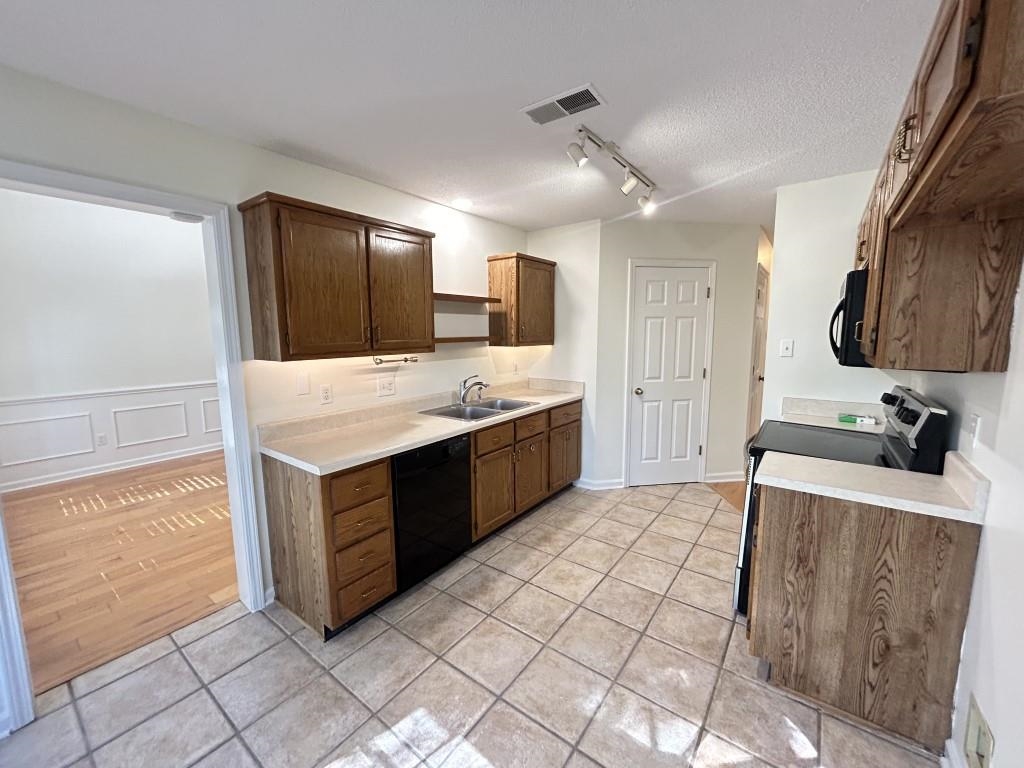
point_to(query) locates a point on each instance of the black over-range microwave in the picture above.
(846, 327)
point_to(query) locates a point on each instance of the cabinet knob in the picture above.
(638, 391)
(533, 448)
(522, 329)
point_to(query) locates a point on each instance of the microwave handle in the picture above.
(832, 340)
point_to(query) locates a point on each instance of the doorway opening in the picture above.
(112, 471)
(670, 329)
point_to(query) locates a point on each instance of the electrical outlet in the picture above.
(974, 428)
(978, 741)
(101, 439)
(385, 385)
(302, 384)
(786, 348)
(326, 394)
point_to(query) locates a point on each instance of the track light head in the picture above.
(646, 203)
(629, 184)
(577, 153)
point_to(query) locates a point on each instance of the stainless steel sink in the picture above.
(462, 412)
(500, 404)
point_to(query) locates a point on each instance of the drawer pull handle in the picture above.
(496, 439)
(364, 521)
(367, 593)
(359, 488)
(366, 557)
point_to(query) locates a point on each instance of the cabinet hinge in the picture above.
(705, 374)
(972, 38)
(709, 291)
(700, 450)
(287, 340)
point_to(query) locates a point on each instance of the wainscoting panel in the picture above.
(61, 437)
(44, 438)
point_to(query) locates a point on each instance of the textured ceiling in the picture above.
(719, 101)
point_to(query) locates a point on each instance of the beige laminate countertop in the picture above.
(331, 450)
(960, 493)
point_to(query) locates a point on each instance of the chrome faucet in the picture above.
(465, 388)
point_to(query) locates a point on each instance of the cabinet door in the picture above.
(531, 471)
(876, 241)
(323, 260)
(557, 444)
(401, 291)
(573, 451)
(946, 71)
(535, 313)
(493, 479)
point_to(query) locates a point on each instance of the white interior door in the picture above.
(668, 344)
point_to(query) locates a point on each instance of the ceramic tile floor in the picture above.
(596, 631)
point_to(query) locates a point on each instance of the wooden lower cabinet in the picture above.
(863, 607)
(513, 469)
(331, 540)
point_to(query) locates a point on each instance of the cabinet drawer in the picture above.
(495, 438)
(360, 522)
(359, 559)
(566, 413)
(368, 591)
(358, 486)
(531, 425)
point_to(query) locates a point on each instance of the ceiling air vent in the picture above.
(569, 103)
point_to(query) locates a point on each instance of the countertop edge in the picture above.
(455, 428)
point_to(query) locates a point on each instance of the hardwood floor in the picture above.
(731, 492)
(105, 564)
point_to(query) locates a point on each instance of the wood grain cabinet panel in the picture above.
(531, 462)
(563, 456)
(528, 426)
(401, 291)
(330, 283)
(948, 195)
(525, 285)
(501, 436)
(565, 414)
(493, 491)
(863, 607)
(368, 555)
(358, 523)
(358, 486)
(358, 597)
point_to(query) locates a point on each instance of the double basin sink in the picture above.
(479, 409)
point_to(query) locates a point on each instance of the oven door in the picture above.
(741, 584)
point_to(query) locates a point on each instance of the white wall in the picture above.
(105, 332)
(96, 298)
(576, 248)
(815, 236)
(734, 249)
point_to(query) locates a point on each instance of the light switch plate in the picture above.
(302, 384)
(786, 348)
(101, 439)
(974, 428)
(326, 394)
(385, 385)
(978, 742)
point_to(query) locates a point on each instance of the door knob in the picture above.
(638, 391)
(760, 378)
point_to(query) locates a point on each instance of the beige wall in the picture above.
(734, 250)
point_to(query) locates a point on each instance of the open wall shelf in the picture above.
(463, 299)
(459, 339)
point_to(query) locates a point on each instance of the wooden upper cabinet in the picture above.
(525, 315)
(323, 266)
(945, 72)
(401, 291)
(329, 283)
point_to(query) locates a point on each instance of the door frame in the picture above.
(712, 267)
(227, 350)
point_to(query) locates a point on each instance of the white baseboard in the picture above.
(598, 485)
(725, 477)
(269, 595)
(74, 474)
(953, 758)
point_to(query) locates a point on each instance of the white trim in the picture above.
(107, 392)
(74, 474)
(90, 449)
(117, 435)
(712, 267)
(953, 758)
(725, 477)
(599, 485)
(207, 429)
(269, 595)
(227, 350)
(13, 654)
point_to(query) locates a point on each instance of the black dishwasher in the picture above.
(433, 511)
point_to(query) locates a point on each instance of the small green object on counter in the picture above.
(851, 418)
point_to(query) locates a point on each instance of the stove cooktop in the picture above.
(821, 442)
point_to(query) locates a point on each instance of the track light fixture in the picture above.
(629, 184)
(577, 150)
